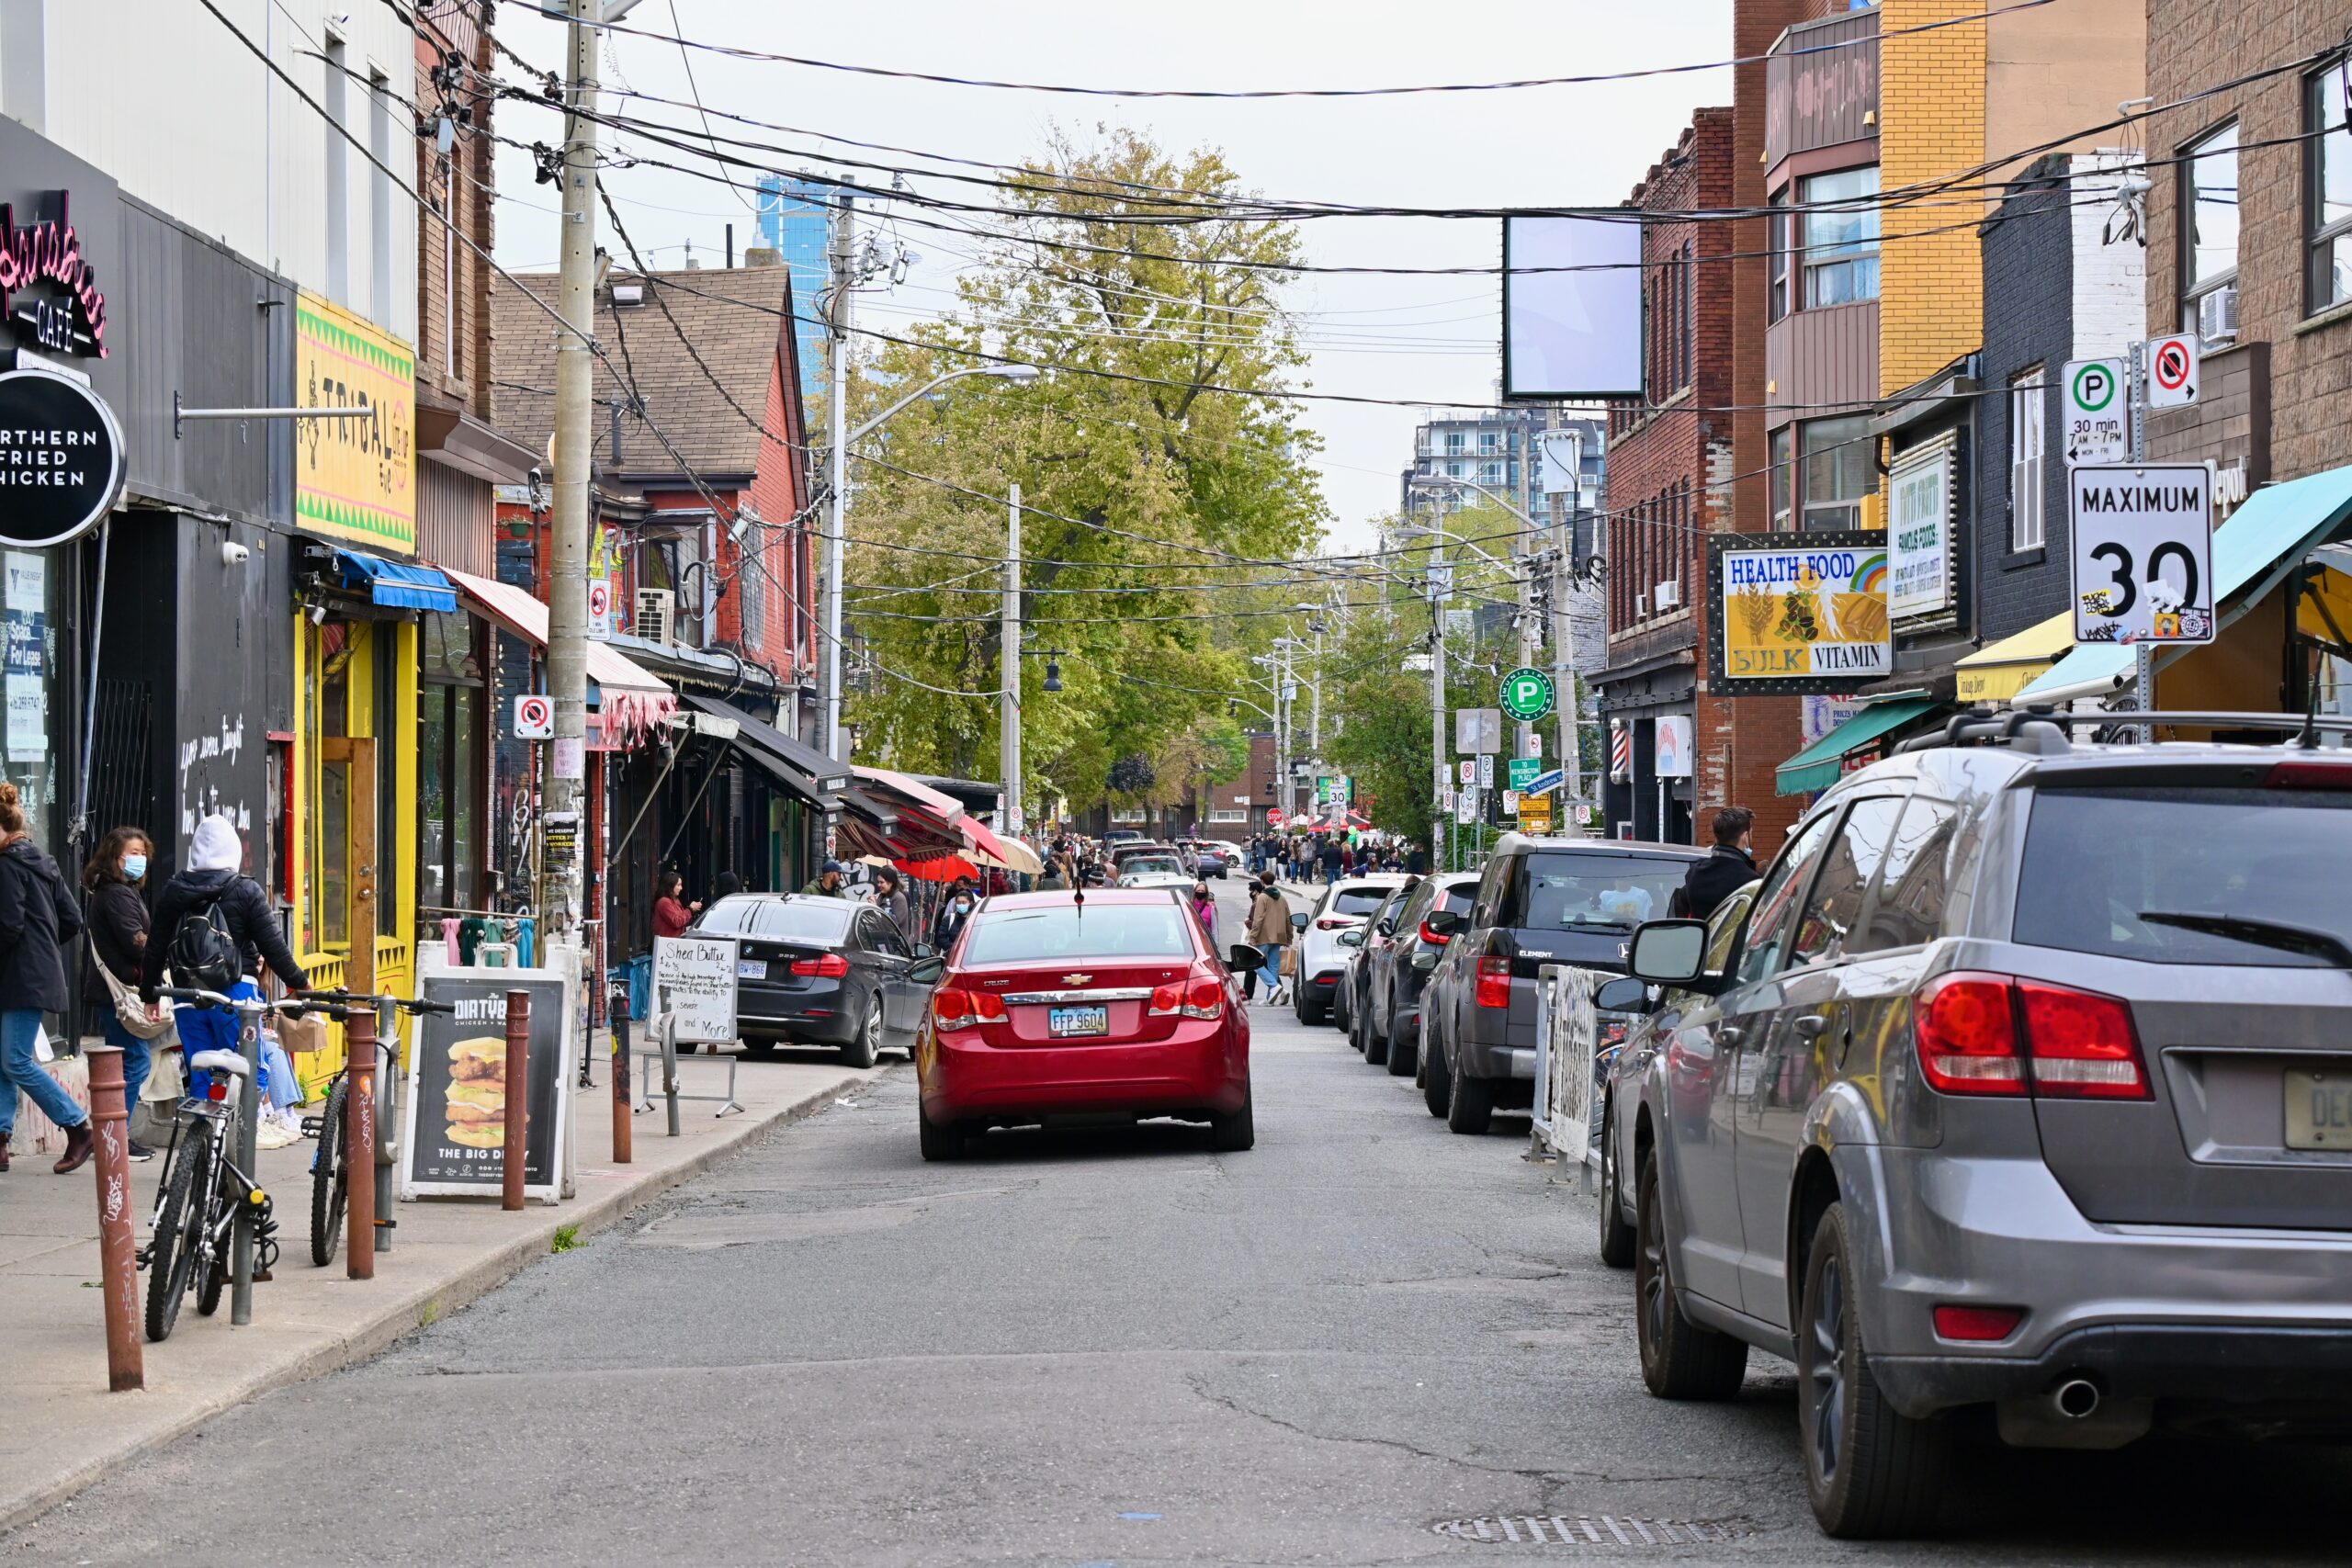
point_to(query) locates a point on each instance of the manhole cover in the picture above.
(1584, 1529)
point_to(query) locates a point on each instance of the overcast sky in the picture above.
(1427, 339)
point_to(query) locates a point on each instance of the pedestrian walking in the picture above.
(37, 915)
(118, 926)
(953, 915)
(1331, 855)
(672, 913)
(1269, 932)
(216, 930)
(1204, 910)
(1729, 867)
(890, 897)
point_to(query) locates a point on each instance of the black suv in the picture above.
(1540, 901)
(1395, 972)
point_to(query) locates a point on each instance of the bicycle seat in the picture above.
(219, 1062)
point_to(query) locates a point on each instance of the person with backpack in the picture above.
(118, 926)
(220, 932)
(38, 916)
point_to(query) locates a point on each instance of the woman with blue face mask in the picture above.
(116, 879)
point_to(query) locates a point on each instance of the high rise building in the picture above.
(795, 219)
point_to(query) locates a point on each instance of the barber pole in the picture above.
(1620, 751)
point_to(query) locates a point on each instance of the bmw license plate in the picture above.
(1064, 1022)
(2319, 1110)
(750, 969)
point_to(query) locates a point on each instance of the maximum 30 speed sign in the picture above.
(2143, 553)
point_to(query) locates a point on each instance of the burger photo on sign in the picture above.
(475, 1112)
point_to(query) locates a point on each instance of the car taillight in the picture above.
(1166, 1000)
(1334, 922)
(953, 1010)
(1202, 997)
(1967, 1035)
(1494, 983)
(1435, 939)
(1977, 1322)
(2309, 776)
(830, 965)
(2081, 1044)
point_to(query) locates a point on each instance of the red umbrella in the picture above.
(939, 868)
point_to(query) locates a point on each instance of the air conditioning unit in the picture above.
(1641, 606)
(1668, 594)
(2217, 316)
(657, 615)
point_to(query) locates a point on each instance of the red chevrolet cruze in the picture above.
(1053, 1004)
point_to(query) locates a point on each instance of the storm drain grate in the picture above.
(1584, 1529)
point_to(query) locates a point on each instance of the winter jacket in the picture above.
(1204, 910)
(894, 904)
(252, 926)
(1269, 920)
(671, 917)
(947, 927)
(39, 916)
(1711, 881)
(118, 926)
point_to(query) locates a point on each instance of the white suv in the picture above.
(1321, 959)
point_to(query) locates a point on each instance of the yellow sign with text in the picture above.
(1814, 613)
(1535, 814)
(354, 479)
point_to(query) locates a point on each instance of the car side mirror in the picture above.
(1443, 922)
(922, 950)
(1627, 993)
(1668, 952)
(1242, 957)
(926, 971)
(1298, 922)
(1389, 927)
(1351, 937)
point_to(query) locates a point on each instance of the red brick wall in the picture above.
(787, 642)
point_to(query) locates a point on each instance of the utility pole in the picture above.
(836, 414)
(2144, 652)
(565, 770)
(1009, 669)
(1438, 755)
(1563, 681)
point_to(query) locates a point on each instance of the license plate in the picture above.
(2319, 1110)
(750, 969)
(1063, 1023)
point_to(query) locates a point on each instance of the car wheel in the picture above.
(1308, 1013)
(1471, 1108)
(1375, 1041)
(938, 1143)
(1437, 1077)
(1230, 1135)
(1401, 1054)
(1680, 1359)
(761, 1049)
(861, 1049)
(1616, 1235)
(1870, 1471)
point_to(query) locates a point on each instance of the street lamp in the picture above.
(1020, 375)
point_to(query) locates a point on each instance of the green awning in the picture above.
(1818, 765)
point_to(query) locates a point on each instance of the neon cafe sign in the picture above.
(48, 250)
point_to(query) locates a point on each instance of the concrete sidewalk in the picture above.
(64, 1430)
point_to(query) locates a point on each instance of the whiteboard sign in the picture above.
(693, 979)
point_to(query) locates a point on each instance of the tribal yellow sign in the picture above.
(354, 479)
(1798, 612)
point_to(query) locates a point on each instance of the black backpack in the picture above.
(202, 952)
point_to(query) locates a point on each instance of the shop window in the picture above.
(2208, 248)
(2328, 172)
(2025, 435)
(1783, 478)
(1840, 236)
(1839, 468)
(450, 790)
(1778, 244)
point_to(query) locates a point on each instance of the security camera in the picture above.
(233, 553)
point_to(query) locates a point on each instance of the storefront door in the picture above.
(348, 798)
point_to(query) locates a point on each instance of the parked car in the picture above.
(1540, 901)
(1153, 870)
(1049, 1006)
(1341, 905)
(2024, 1085)
(1210, 858)
(1122, 853)
(1120, 835)
(1360, 944)
(814, 971)
(1395, 972)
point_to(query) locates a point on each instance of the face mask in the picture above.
(133, 867)
(963, 906)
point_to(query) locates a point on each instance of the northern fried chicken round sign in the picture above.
(60, 457)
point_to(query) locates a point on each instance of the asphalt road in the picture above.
(1099, 1347)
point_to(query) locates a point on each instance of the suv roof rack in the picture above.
(2045, 731)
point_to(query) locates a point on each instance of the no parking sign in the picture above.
(534, 716)
(2172, 371)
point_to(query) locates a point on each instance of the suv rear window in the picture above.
(1090, 930)
(1359, 900)
(2246, 877)
(1561, 891)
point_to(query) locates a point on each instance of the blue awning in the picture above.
(398, 583)
(2253, 552)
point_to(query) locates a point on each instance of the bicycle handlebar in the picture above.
(406, 1005)
(294, 1005)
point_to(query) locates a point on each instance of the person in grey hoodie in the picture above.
(215, 859)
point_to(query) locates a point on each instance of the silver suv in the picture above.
(2026, 1082)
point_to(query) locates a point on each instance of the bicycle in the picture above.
(329, 1166)
(204, 1189)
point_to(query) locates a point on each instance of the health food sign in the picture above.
(1809, 615)
(2143, 553)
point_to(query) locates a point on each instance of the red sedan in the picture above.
(1049, 1006)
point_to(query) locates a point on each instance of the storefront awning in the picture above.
(632, 699)
(1819, 764)
(932, 802)
(793, 764)
(988, 849)
(1999, 671)
(397, 584)
(2263, 541)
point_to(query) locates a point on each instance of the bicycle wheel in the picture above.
(172, 1253)
(329, 1181)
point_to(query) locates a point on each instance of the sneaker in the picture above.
(78, 1140)
(140, 1151)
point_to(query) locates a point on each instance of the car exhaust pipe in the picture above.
(2077, 1399)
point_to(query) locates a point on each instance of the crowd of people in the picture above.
(1327, 857)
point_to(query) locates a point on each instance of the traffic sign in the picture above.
(1274, 817)
(1543, 783)
(2172, 371)
(1465, 807)
(2097, 412)
(534, 716)
(1468, 768)
(2143, 553)
(1534, 814)
(1523, 769)
(1510, 803)
(1486, 769)
(1477, 729)
(1527, 694)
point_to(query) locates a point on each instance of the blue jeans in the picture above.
(19, 1071)
(214, 1029)
(138, 1059)
(1272, 973)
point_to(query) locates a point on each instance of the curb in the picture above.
(400, 1315)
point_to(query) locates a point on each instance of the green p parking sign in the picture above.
(1528, 695)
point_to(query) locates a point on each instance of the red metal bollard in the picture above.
(624, 1112)
(359, 1143)
(518, 1096)
(117, 1256)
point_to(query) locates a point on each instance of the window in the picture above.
(450, 789)
(1562, 892)
(1840, 241)
(1783, 478)
(1839, 468)
(1228, 814)
(2209, 258)
(2328, 165)
(379, 197)
(337, 208)
(1489, 442)
(1490, 473)
(2026, 432)
(1779, 245)
(1834, 909)
(1913, 886)
(1102, 929)
(1768, 929)
(1687, 292)
(1454, 442)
